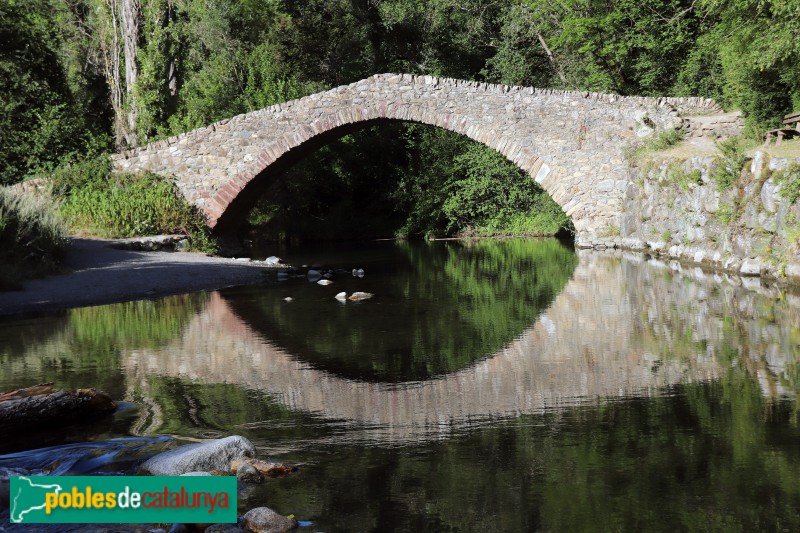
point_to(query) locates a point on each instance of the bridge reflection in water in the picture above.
(602, 337)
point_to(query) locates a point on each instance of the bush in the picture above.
(32, 236)
(730, 165)
(100, 203)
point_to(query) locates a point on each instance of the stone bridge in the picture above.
(571, 143)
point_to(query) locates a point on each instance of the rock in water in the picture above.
(357, 296)
(288, 299)
(324, 282)
(248, 474)
(266, 468)
(313, 275)
(203, 457)
(265, 520)
(273, 260)
(358, 272)
(342, 296)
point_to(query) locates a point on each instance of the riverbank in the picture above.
(99, 274)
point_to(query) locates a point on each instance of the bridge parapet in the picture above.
(570, 142)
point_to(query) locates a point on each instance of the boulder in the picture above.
(265, 520)
(204, 457)
(342, 296)
(313, 275)
(750, 267)
(324, 282)
(273, 260)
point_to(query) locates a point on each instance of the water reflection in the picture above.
(580, 349)
(439, 307)
(622, 395)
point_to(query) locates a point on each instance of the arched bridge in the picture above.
(571, 143)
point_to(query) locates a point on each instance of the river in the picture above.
(509, 385)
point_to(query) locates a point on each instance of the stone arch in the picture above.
(234, 199)
(571, 143)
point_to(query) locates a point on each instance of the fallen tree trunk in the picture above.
(42, 405)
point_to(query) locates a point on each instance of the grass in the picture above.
(103, 204)
(655, 143)
(703, 147)
(33, 236)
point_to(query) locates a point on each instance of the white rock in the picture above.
(273, 260)
(324, 282)
(288, 299)
(356, 296)
(342, 296)
(200, 457)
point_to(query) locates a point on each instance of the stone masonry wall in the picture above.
(572, 143)
(675, 209)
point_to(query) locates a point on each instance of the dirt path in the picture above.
(101, 274)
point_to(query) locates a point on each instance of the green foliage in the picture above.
(789, 180)
(726, 214)
(32, 236)
(40, 121)
(730, 165)
(125, 205)
(661, 140)
(676, 174)
(454, 185)
(489, 194)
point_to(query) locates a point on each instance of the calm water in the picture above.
(496, 386)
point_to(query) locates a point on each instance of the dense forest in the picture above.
(82, 78)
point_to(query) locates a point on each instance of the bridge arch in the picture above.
(571, 143)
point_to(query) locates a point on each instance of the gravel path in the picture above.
(101, 274)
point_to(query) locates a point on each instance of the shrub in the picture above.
(730, 165)
(109, 205)
(32, 236)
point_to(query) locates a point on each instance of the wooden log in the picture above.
(42, 405)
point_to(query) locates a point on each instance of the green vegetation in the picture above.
(32, 236)
(730, 164)
(789, 180)
(654, 143)
(675, 174)
(98, 202)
